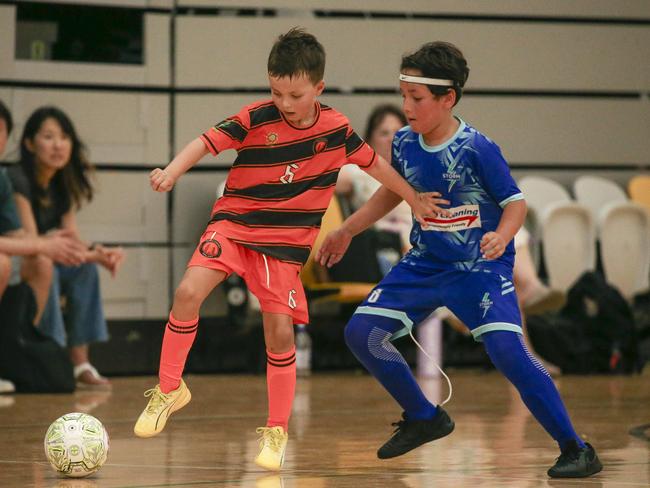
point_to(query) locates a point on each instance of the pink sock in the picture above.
(176, 345)
(281, 386)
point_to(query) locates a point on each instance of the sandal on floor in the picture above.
(88, 377)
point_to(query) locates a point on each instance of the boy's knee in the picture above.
(356, 332)
(187, 293)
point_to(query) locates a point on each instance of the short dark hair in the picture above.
(439, 60)
(378, 114)
(297, 52)
(5, 114)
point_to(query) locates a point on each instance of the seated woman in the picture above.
(51, 181)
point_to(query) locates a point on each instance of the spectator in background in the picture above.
(383, 122)
(51, 182)
(25, 258)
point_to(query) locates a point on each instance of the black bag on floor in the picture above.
(594, 333)
(32, 361)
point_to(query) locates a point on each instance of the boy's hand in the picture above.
(427, 205)
(161, 180)
(333, 247)
(492, 245)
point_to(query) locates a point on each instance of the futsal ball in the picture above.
(76, 444)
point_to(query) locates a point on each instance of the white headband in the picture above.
(425, 81)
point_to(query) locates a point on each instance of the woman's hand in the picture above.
(110, 258)
(62, 247)
(161, 180)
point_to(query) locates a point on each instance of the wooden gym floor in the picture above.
(338, 423)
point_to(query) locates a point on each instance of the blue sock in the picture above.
(509, 354)
(368, 336)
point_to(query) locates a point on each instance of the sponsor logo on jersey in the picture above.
(461, 218)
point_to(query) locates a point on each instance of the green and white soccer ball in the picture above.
(76, 444)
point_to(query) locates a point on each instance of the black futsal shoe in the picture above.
(410, 434)
(576, 462)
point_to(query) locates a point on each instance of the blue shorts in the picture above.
(485, 300)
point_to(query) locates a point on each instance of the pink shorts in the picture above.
(275, 283)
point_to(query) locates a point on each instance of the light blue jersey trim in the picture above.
(479, 331)
(391, 314)
(442, 146)
(513, 198)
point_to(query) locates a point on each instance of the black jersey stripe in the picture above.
(281, 191)
(352, 144)
(288, 153)
(232, 129)
(372, 160)
(265, 114)
(283, 252)
(207, 140)
(272, 218)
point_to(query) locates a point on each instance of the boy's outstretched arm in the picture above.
(422, 204)
(493, 244)
(337, 241)
(163, 180)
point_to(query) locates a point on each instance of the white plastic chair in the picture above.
(568, 234)
(547, 199)
(624, 233)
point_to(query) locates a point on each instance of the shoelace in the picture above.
(157, 399)
(269, 437)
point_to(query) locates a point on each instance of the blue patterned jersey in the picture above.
(469, 171)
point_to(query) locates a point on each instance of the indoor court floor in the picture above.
(339, 421)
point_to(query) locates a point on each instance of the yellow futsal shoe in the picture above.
(272, 446)
(161, 405)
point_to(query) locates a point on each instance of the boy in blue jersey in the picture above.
(462, 259)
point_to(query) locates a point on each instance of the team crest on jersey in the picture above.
(461, 218)
(210, 248)
(271, 138)
(319, 145)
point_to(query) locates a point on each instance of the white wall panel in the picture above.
(574, 8)
(124, 209)
(232, 52)
(154, 72)
(118, 127)
(141, 288)
(559, 130)
(197, 113)
(529, 130)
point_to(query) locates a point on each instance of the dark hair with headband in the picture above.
(441, 60)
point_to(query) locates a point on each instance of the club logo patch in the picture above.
(271, 138)
(210, 248)
(319, 145)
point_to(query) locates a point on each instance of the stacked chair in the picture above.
(565, 228)
(623, 229)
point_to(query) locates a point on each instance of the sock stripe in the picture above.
(282, 362)
(183, 325)
(182, 330)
